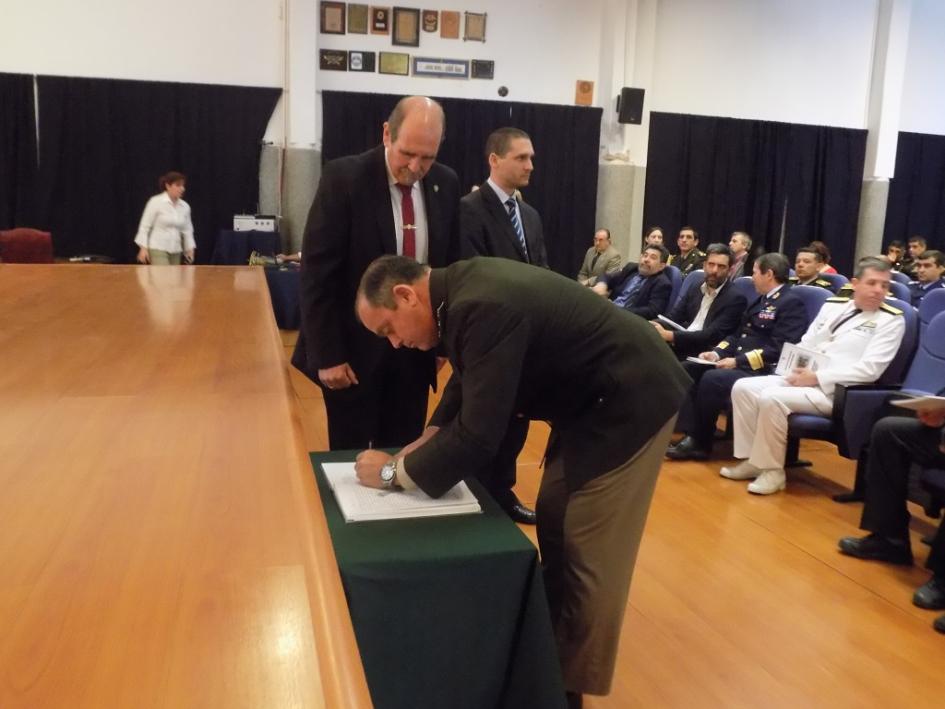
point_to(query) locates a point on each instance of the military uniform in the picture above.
(859, 345)
(688, 263)
(919, 290)
(819, 282)
(768, 323)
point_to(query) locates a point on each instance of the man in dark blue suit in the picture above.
(640, 288)
(776, 317)
(708, 313)
(929, 269)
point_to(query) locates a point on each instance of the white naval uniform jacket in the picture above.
(860, 349)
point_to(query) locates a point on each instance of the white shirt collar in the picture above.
(500, 193)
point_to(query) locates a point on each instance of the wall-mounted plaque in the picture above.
(583, 93)
(483, 69)
(332, 17)
(430, 20)
(475, 27)
(357, 19)
(449, 24)
(360, 61)
(333, 59)
(441, 68)
(406, 27)
(394, 63)
(380, 20)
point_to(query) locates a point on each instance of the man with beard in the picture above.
(640, 288)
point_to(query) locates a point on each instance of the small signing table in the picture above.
(447, 611)
(233, 248)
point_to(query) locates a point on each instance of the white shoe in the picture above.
(769, 482)
(743, 471)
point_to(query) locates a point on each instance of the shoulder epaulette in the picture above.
(890, 309)
(823, 283)
(838, 299)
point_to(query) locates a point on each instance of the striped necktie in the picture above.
(516, 224)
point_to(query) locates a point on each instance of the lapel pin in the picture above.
(436, 188)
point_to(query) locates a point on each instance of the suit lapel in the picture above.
(501, 216)
(431, 202)
(379, 194)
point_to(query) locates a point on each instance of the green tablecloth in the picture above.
(447, 611)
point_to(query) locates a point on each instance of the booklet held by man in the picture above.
(705, 362)
(920, 402)
(666, 321)
(360, 504)
(797, 357)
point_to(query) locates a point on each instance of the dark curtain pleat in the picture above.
(720, 175)
(104, 143)
(17, 151)
(566, 138)
(916, 204)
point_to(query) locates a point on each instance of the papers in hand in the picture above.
(359, 503)
(666, 321)
(706, 362)
(797, 357)
(918, 402)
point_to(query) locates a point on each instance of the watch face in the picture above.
(387, 473)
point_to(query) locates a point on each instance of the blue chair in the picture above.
(837, 281)
(694, 280)
(900, 277)
(813, 297)
(746, 287)
(900, 291)
(930, 306)
(675, 277)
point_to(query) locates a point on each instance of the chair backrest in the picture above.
(746, 287)
(24, 245)
(931, 305)
(837, 281)
(813, 298)
(693, 280)
(675, 277)
(894, 373)
(927, 371)
(900, 290)
(901, 277)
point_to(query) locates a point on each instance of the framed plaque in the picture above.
(361, 61)
(449, 24)
(406, 26)
(332, 17)
(380, 20)
(583, 93)
(357, 19)
(394, 63)
(483, 69)
(441, 68)
(333, 59)
(430, 20)
(475, 27)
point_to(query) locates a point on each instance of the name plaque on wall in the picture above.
(441, 68)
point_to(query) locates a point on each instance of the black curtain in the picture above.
(563, 187)
(720, 175)
(104, 143)
(17, 150)
(916, 204)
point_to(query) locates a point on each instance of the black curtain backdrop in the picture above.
(104, 142)
(563, 187)
(720, 175)
(916, 203)
(17, 150)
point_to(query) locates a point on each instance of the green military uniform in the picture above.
(688, 263)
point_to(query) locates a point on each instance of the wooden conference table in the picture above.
(163, 542)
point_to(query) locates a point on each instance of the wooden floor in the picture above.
(744, 601)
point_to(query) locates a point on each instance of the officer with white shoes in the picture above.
(859, 337)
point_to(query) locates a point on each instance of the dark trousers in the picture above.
(499, 476)
(710, 394)
(387, 409)
(895, 443)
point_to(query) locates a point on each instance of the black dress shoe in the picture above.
(931, 596)
(687, 449)
(875, 547)
(939, 624)
(521, 514)
(575, 700)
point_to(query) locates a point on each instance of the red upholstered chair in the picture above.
(26, 246)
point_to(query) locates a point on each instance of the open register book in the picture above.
(359, 503)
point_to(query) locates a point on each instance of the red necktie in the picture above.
(410, 228)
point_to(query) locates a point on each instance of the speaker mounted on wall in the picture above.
(630, 105)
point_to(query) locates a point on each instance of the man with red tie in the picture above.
(392, 199)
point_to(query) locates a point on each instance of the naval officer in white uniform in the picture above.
(858, 335)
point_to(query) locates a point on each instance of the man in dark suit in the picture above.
(493, 222)
(609, 388)
(776, 317)
(709, 313)
(393, 199)
(929, 269)
(640, 288)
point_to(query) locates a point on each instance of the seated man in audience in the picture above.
(690, 257)
(643, 288)
(740, 244)
(894, 253)
(917, 246)
(709, 313)
(929, 268)
(895, 444)
(808, 263)
(601, 258)
(858, 338)
(776, 317)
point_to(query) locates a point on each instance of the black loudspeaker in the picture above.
(630, 105)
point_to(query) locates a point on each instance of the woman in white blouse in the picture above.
(166, 230)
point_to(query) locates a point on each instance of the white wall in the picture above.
(923, 96)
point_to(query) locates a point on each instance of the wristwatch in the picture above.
(389, 474)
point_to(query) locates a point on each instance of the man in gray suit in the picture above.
(608, 385)
(600, 259)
